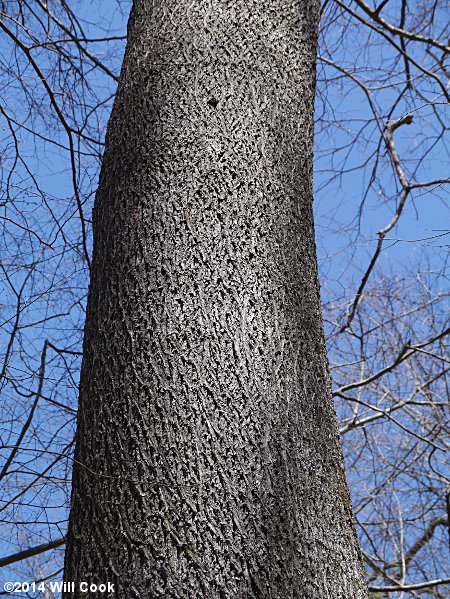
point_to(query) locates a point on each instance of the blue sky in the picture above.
(345, 244)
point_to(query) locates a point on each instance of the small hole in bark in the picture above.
(213, 102)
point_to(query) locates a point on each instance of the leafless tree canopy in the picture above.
(382, 173)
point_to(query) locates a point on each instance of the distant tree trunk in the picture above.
(208, 462)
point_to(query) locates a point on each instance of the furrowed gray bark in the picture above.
(207, 461)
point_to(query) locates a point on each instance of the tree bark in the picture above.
(207, 461)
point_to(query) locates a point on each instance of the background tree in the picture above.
(377, 64)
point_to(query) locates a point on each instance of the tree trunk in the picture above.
(207, 461)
